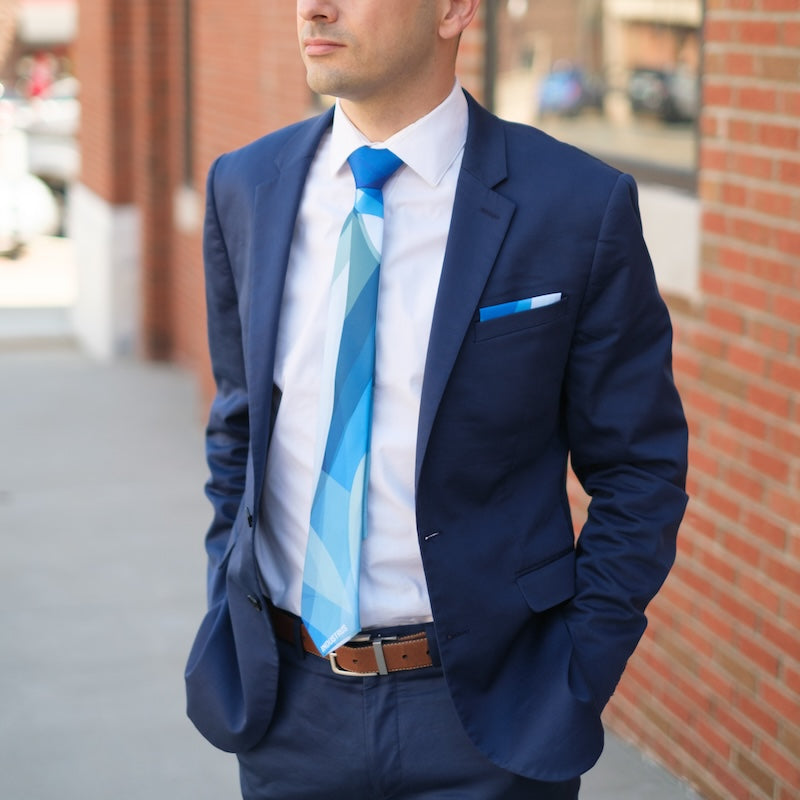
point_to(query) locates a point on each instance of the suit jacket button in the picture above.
(255, 602)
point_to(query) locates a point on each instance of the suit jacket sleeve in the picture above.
(227, 433)
(628, 440)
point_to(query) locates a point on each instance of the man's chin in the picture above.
(331, 82)
(323, 83)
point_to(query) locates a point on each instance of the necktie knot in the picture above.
(372, 167)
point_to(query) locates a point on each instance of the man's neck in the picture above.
(380, 120)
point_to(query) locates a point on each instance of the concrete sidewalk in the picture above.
(102, 585)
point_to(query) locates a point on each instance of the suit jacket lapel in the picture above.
(277, 200)
(480, 220)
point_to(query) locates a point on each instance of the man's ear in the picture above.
(457, 14)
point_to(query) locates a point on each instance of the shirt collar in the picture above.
(429, 146)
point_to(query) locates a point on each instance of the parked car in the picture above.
(51, 125)
(568, 91)
(670, 95)
(50, 152)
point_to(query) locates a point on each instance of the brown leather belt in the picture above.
(367, 656)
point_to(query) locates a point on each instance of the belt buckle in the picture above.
(377, 648)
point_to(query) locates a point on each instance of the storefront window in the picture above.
(619, 78)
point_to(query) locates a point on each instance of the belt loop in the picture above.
(433, 645)
(297, 636)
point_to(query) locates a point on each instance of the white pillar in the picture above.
(107, 251)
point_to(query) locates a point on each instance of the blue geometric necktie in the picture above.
(329, 605)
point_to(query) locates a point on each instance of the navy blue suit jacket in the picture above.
(534, 631)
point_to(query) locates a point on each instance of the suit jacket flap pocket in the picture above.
(549, 585)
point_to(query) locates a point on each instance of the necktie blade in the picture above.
(329, 605)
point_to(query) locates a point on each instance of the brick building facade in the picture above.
(713, 693)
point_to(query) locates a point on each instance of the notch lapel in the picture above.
(480, 220)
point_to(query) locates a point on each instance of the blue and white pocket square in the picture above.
(515, 306)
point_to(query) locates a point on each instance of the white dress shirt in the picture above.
(418, 205)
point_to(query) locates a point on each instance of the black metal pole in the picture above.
(188, 94)
(490, 54)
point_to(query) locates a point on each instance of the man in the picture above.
(518, 324)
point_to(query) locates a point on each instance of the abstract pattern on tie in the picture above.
(338, 513)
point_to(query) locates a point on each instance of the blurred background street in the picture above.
(38, 289)
(101, 580)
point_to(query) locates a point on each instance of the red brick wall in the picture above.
(128, 136)
(714, 692)
(103, 59)
(248, 79)
(156, 163)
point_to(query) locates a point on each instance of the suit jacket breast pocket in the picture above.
(521, 320)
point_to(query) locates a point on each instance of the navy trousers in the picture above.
(390, 737)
